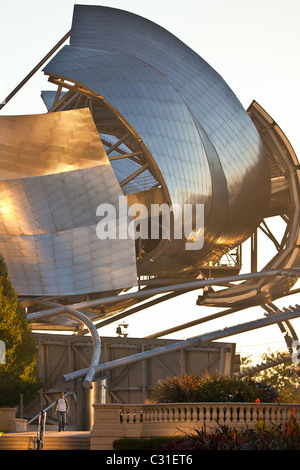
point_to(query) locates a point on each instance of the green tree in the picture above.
(19, 373)
(280, 378)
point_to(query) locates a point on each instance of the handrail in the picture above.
(39, 441)
(46, 409)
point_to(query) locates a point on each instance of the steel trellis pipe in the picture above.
(184, 287)
(197, 340)
(91, 327)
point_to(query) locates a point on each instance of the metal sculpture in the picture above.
(139, 115)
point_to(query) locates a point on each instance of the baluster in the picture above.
(201, 416)
(234, 416)
(264, 414)
(176, 414)
(227, 416)
(285, 414)
(280, 415)
(248, 417)
(188, 414)
(180, 413)
(145, 414)
(141, 415)
(209, 412)
(160, 414)
(268, 420)
(205, 415)
(131, 415)
(242, 416)
(156, 417)
(155, 414)
(273, 415)
(150, 414)
(256, 415)
(168, 415)
(222, 417)
(214, 414)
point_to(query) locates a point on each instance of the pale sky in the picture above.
(253, 45)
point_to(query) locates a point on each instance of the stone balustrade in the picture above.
(115, 421)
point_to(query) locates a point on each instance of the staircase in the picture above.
(53, 440)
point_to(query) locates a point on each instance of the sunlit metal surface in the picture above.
(44, 144)
(171, 131)
(203, 143)
(138, 113)
(55, 174)
(285, 201)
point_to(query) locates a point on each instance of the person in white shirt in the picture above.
(61, 409)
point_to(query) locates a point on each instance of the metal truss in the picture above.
(95, 368)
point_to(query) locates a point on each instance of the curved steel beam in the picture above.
(73, 310)
(183, 287)
(90, 326)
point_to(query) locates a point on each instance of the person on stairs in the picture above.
(61, 409)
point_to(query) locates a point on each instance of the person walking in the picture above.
(61, 409)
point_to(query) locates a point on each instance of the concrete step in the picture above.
(53, 440)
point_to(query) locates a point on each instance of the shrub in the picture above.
(177, 389)
(283, 437)
(218, 388)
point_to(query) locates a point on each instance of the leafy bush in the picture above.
(193, 388)
(177, 389)
(282, 437)
(285, 436)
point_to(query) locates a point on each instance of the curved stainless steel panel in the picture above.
(131, 87)
(202, 89)
(48, 221)
(285, 163)
(202, 140)
(44, 144)
(52, 203)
